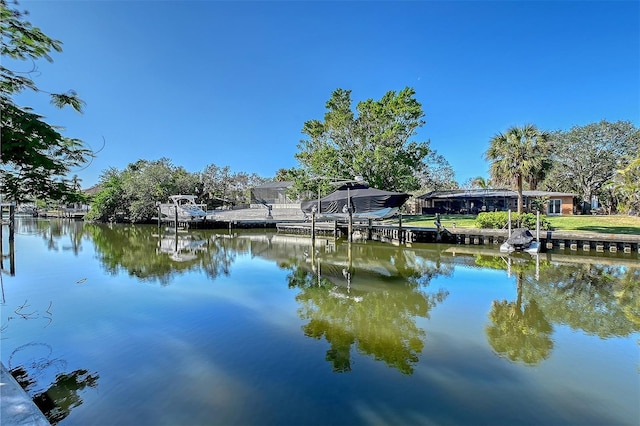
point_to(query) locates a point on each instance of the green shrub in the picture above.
(492, 220)
(498, 220)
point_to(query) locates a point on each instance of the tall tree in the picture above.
(625, 187)
(147, 182)
(135, 191)
(517, 155)
(110, 199)
(375, 143)
(36, 157)
(437, 175)
(585, 158)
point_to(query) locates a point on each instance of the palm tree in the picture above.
(518, 155)
(480, 182)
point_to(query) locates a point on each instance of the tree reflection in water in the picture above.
(58, 234)
(371, 303)
(55, 399)
(519, 330)
(368, 296)
(147, 254)
(601, 300)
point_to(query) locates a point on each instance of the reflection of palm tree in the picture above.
(520, 334)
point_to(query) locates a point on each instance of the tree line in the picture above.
(599, 160)
(133, 192)
(375, 139)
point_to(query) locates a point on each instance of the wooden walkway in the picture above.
(558, 240)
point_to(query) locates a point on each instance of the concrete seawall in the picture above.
(16, 407)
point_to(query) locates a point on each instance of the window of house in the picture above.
(555, 206)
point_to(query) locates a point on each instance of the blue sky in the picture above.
(231, 83)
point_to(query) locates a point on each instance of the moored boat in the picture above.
(184, 206)
(519, 240)
(364, 203)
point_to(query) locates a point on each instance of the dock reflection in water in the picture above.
(333, 332)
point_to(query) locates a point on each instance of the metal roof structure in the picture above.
(490, 193)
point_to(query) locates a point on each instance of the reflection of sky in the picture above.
(232, 350)
(471, 292)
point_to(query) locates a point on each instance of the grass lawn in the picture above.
(614, 224)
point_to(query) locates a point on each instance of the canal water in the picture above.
(123, 325)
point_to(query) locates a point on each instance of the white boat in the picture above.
(181, 248)
(185, 206)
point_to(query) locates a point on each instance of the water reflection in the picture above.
(603, 300)
(146, 253)
(365, 296)
(58, 234)
(519, 329)
(368, 300)
(32, 366)
(368, 296)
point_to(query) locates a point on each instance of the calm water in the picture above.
(118, 325)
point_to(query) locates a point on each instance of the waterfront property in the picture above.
(273, 194)
(407, 234)
(479, 200)
(129, 324)
(182, 208)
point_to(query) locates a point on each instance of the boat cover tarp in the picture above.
(520, 237)
(363, 200)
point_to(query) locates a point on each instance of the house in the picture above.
(273, 194)
(479, 200)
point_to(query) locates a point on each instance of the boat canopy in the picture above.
(362, 200)
(520, 237)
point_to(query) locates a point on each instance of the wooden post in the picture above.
(313, 226)
(12, 218)
(176, 218)
(1, 229)
(400, 239)
(350, 227)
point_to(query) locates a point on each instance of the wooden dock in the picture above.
(559, 240)
(398, 234)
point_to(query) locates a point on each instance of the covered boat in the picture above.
(186, 207)
(520, 239)
(365, 202)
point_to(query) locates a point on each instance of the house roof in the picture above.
(490, 193)
(93, 189)
(548, 194)
(275, 185)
